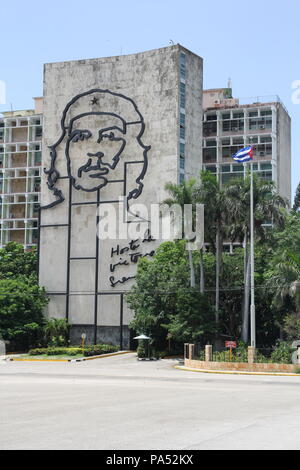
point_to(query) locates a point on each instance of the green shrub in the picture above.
(99, 349)
(282, 353)
(56, 332)
(55, 352)
(142, 350)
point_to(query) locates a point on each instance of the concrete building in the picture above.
(116, 127)
(231, 124)
(20, 175)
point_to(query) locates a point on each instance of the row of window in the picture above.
(239, 115)
(182, 102)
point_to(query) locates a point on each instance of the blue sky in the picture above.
(256, 43)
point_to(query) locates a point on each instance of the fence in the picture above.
(241, 359)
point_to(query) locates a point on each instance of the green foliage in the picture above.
(282, 353)
(240, 354)
(21, 305)
(55, 352)
(15, 261)
(297, 199)
(283, 274)
(142, 350)
(100, 349)
(56, 332)
(291, 326)
(165, 304)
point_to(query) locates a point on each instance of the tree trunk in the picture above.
(192, 270)
(245, 331)
(202, 279)
(219, 247)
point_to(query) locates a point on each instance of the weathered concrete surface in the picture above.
(151, 79)
(120, 403)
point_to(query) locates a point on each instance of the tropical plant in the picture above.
(56, 332)
(21, 312)
(182, 194)
(209, 192)
(269, 210)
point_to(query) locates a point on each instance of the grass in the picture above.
(44, 357)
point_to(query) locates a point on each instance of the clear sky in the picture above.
(256, 43)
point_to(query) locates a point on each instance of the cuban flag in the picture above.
(244, 155)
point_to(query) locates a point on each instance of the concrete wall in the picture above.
(284, 153)
(151, 80)
(240, 367)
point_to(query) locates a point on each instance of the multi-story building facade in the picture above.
(117, 130)
(20, 175)
(230, 125)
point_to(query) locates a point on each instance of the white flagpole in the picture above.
(252, 308)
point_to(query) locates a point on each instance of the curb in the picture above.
(80, 359)
(223, 372)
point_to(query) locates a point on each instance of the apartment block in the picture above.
(20, 175)
(231, 124)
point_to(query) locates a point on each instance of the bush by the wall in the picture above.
(55, 352)
(99, 349)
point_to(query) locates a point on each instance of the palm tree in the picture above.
(182, 194)
(268, 211)
(209, 193)
(286, 277)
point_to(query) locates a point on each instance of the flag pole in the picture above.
(252, 308)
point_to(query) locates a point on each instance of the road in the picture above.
(120, 403)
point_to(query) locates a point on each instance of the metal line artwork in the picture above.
(94, 174)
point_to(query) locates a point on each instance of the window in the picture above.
(182, 95)
(239, 115)
(266, 113)
(182, 65)
(209, 155)
(182, 133)
(238, 141)
(236, 125)
(211, 168)
(225, 116)
(38, 158)
(209, 128)
(266, 166)
(39, 131)
(225, 168)
(239, 168)
(266, 175)
(181, 178)
(182, 150)
(182, 163)
(228, 177)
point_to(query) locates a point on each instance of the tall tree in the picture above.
(284, 276)
(268, 211)
(182, 194)
(297, 199)
(208, 192)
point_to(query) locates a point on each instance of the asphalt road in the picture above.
(120, 403)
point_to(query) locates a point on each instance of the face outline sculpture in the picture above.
(100, 136)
